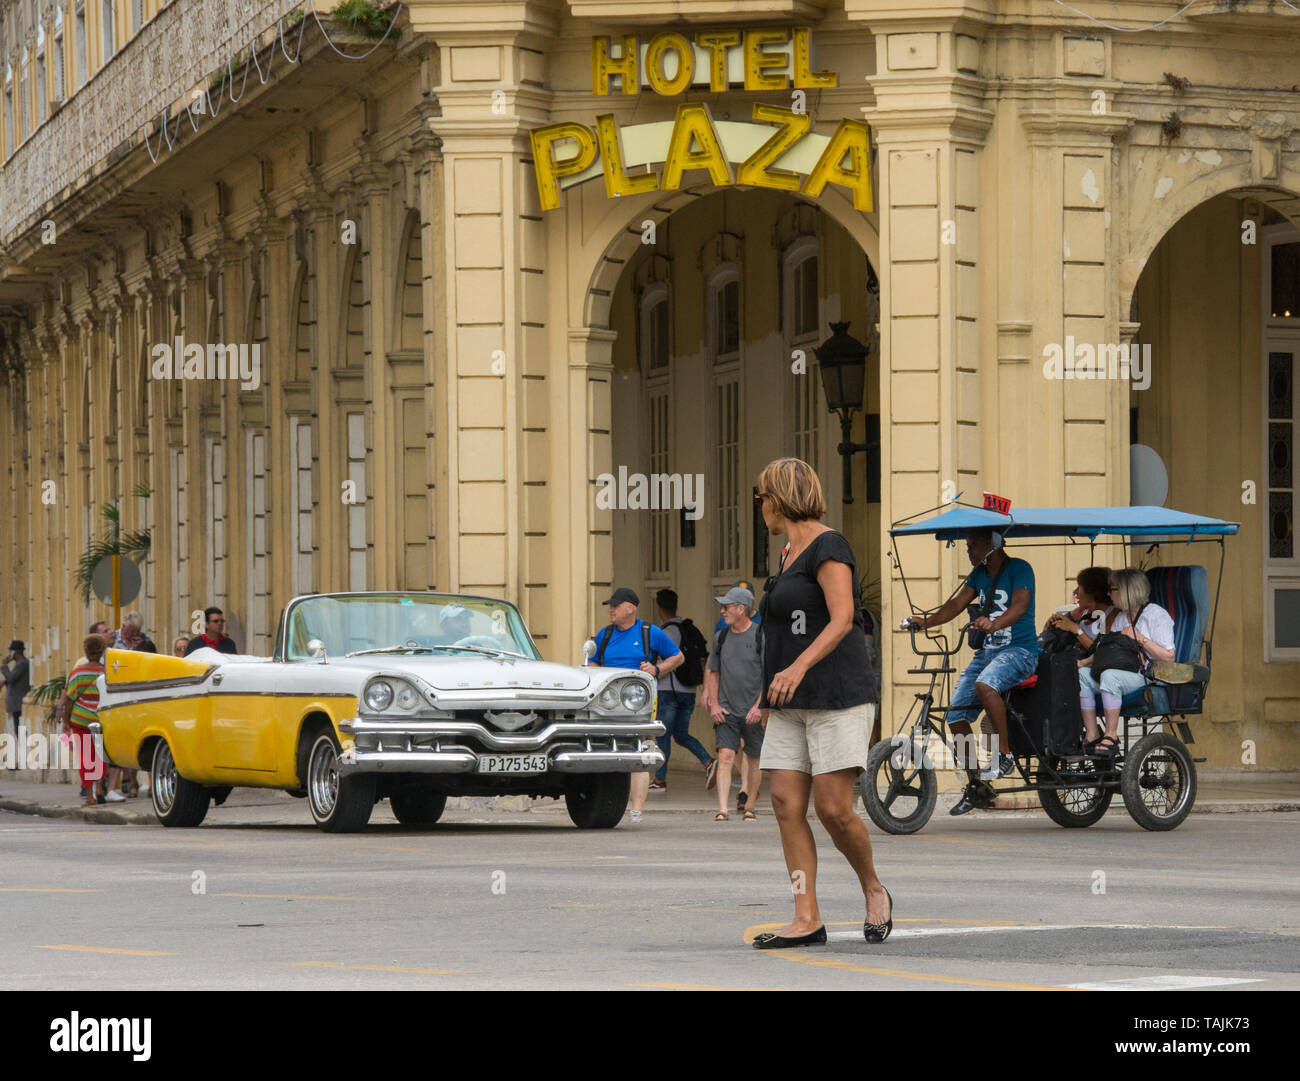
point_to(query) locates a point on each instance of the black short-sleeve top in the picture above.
(795, 613)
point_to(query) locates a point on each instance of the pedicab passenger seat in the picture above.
(1184, 592)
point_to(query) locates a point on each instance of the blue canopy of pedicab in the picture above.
(1083, 522)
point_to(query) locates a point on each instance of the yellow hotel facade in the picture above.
(484, 264)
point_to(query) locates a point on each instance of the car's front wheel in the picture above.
(596, 801)
(340, 803)
(176, 801)
(415, 806)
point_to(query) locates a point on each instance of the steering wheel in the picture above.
(485, 641)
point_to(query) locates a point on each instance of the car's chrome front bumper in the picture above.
(445, 746)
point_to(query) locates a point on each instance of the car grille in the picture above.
(544, 717)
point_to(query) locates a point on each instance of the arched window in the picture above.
(410, 286)
(108, 24)
(10, 140)
(354, 336)
(656, 347)
(656, 352)
(724, 329)
(801, 318)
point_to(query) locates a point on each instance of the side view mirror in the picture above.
(588, 650)
(316, 648)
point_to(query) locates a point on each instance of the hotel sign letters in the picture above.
(777, 149)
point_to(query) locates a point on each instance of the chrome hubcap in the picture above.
(164, 779)
(323, 777)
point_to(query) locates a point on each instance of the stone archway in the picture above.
(609, 236)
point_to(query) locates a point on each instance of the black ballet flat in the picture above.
(769, 941)
(876, 933)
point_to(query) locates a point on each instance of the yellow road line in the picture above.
(108, 949)
(704, 987)
(295, 897)
(928, 977)
(36, 889)
(381, 968)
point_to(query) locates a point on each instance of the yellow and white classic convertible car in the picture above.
(409, 697)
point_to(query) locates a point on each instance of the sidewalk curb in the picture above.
(100, 815)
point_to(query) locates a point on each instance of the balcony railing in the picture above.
(176, 50)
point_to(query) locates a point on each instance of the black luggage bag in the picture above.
(1045, 719)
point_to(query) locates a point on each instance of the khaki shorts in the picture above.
(818, 740)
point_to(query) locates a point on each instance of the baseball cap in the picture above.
(738, 595)
(451, 612)
(623, 594)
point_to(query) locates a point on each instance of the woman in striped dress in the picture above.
(79, 706)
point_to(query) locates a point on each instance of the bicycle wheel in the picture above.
(898, 793)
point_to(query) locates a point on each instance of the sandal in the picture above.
(1106, 747)
(721, 816)
(750, 816)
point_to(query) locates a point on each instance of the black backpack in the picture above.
(696, 651)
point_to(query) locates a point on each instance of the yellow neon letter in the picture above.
(549, 169)
(757, 61)
(603, 65)
(654, 56)
(694, 124)
(617, 182)
(754, 169)
(852, 138)
(804, 79)
(718, 42)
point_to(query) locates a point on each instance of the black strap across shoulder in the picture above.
(608, 633)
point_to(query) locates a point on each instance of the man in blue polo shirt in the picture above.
(629, 642)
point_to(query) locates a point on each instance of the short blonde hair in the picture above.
(1131, 591)
(794, 489)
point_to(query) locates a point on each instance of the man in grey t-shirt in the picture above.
(733, 685)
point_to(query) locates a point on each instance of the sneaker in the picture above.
(1005, 764)
(967, 802)
(656, 785)
(115, 797)
(710, 774)
(634, 818)
(740, 801)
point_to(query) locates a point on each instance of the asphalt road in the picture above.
(493, 900)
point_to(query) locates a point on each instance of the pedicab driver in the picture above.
(1009, 654)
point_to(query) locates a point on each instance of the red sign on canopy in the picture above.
(996, 502)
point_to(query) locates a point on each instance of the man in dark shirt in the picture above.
(214, 637)
(17, 680)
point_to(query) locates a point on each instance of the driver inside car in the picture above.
(1008, 655)
(453, 625)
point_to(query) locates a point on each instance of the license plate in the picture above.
(512, 763)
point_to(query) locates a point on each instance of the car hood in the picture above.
(470, 671)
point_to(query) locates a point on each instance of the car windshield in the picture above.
(352, 623)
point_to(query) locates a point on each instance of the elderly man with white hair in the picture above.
(131, 635)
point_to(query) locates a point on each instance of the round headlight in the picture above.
(407, 698)
(378, 695)
(635, 696)
(609, 697)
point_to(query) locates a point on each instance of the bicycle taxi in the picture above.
(1154, 770)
